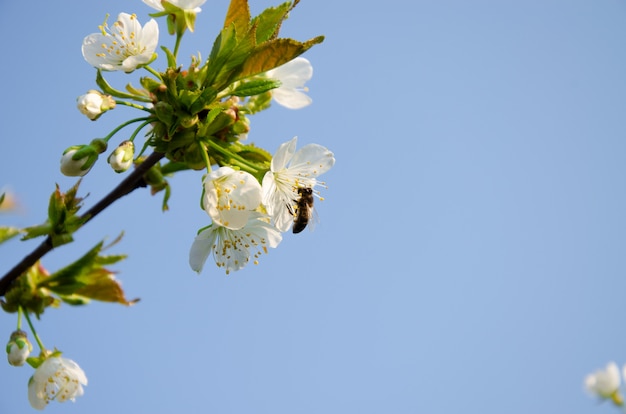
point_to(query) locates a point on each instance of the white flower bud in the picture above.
(93, 104)
(18, 348)
(72, 167)
(122, 157)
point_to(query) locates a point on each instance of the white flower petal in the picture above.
(124, 46)
(201, 248)
(292, 75)
(232, 249)
(604, 383)
(291, 98)
(312, 159)
(290, 171)
(57, 378)
(230, 196)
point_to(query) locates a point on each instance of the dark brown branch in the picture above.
(133, 181)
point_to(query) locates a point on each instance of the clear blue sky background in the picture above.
(470, 251)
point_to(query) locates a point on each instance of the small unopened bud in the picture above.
(77, 160)
(122, 157)
(18, 348)
(94, 103)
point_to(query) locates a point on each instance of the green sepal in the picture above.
(138, 94)
(255, 87)
(109, 90)
(35, 362)
(171, 59)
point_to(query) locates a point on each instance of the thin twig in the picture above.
(129, 184)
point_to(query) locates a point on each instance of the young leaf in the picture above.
(274, 53)
(269, 21)
(238, 15)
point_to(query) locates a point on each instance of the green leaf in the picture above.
(274, 53)
(205, 98)
(269, 21)
(255, 87)
(7, 233)
(238, 15)
(86, 279)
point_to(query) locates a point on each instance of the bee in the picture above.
(303, 210)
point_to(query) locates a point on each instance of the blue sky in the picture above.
(470, 250)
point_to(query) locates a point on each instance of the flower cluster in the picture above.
(246, 215)
(605, 383)
(57, 378)
(199, 119)
(192, 118)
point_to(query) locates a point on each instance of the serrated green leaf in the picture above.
(269, 21)
(274, 53)
(86, 279)
(238, 14)
(255, 87)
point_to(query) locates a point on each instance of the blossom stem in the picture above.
(32, 329)
(19, 318)
(179, 36)
(154, 72)
(133, 181)
(205, 155)
(236, 159)
(119, 127)
(133, 105)
(139, 128)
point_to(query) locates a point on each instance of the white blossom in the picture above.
(57, 378)
(232, 249)
(290, 170)
(230, 196)
(604, 382)
(189, 5)
(292, 75)
(125, 46)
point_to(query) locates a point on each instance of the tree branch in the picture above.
(133, 181)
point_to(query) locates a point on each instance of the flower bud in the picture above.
(18, 348)
(94, 103)
(122, 157)
(77, 160)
